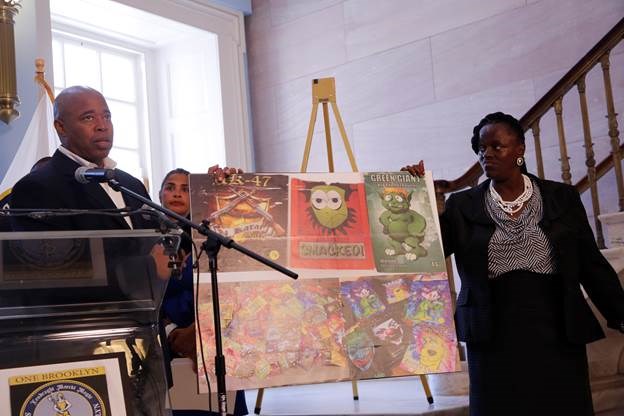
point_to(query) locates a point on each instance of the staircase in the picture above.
(606, 357)
(602, 185)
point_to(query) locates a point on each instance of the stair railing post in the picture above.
(563, 147)
(535, 128)
(590, 161)
(613, 129)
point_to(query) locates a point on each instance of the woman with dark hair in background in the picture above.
(178, 307)
(523, 248)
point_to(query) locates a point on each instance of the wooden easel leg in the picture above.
(259, 401)
(308, 145)
(354, 387)
(345, 140)
(330, 152)
(425, 384)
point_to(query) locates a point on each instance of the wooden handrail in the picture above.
(472, 175)
(470, 178)
(601, 169)
(569, 80)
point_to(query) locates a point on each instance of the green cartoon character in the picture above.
(405, 227)
(328, 210)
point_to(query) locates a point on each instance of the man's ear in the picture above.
(60, 130)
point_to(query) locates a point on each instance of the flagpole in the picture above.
(40, 78)
(39, 140)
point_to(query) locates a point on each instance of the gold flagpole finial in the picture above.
(40, 77)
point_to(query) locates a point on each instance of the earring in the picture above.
(520, 161)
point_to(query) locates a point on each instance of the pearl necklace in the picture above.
(511, 207)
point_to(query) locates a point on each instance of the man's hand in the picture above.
(182, 342)
(222, 173)
(415, 170)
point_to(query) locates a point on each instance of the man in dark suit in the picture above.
(5, 223)
(83, 122)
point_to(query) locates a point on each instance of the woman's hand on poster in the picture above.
(223, 173)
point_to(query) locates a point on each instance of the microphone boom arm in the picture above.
(203, 230)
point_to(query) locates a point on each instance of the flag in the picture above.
(40, 140)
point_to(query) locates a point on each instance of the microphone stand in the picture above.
(213, 243)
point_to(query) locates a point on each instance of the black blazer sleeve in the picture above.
(32, 193)
(597, 276)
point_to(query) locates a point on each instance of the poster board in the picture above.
(93, 385)
(372, 299)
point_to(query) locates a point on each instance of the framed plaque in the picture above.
(89, 386)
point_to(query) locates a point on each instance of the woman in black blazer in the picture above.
(523, 247)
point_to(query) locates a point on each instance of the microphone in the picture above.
(88, 175)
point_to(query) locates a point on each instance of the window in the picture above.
(118, 74)
(173, 74)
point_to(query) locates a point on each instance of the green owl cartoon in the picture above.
(328, 210)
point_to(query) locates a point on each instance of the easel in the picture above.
(324, 91)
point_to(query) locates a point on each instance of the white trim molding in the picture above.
(229, 27)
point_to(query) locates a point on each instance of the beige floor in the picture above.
(393, 396)
(398, 396)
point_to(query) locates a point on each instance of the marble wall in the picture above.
(413, 77)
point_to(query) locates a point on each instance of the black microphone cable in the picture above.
(198, 254)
